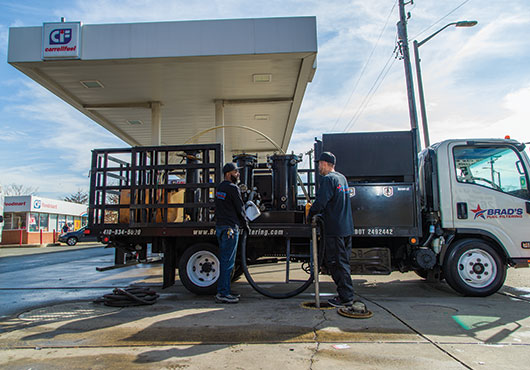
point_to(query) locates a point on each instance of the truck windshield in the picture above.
(495, 167)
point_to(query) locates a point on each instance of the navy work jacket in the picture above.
(333, 201)
(229, 206)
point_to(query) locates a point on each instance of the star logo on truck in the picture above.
(479, 212)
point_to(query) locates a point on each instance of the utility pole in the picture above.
(404, 47)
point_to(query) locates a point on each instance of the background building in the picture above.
(31, 219)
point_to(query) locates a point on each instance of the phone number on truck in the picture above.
(127, 232)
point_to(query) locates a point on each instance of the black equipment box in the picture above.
(385, 209)
(381, 169)
(386, 156)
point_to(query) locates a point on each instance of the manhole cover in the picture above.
(434, 308)
(68, 311)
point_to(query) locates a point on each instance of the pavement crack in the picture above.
(513, 296)
(312, 359)
(417, 332)
(315, 338)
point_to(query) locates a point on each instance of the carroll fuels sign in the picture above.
(61, 40)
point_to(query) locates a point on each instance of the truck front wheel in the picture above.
(474, 268)
(199, 268)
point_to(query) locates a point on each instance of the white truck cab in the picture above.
(484, 211)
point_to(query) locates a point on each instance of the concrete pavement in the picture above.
(416, 324)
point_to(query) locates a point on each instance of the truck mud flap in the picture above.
(370, 261)
(170, 264)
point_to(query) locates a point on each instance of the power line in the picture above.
(384, 72)
(364, 66)
(373, 89)
(371, 93)
(441, 19)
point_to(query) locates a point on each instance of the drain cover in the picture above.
(312, 305)
(68, 311)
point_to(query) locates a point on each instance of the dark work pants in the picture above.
(227, 256)
(338, 252)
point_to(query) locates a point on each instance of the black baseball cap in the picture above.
(230, 167)
(327, 157)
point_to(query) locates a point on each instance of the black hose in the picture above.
(255, 285)
(429, 239)
(132, 296)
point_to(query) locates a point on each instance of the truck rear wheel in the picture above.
(199, 268)
(474, 268)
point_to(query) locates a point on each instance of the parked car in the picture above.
(71, 238)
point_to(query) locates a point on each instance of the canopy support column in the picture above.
(220, 121)
(156, 124)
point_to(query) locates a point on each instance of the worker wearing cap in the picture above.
(333, 202)
(230, 219)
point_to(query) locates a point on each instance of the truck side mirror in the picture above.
(1, 218)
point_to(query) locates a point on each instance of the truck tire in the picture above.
(199, 268)
(473, 267)
(71, 241)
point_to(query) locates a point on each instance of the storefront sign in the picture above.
(43, 206)
(61, 40)
(32, 203)
(16, 204)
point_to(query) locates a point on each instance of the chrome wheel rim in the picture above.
(203, 268)
(477, 268)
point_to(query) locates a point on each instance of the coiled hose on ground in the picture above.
(131, 296)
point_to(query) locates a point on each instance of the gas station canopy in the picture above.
(161, 83)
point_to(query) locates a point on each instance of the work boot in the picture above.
(235, 294)
(226, 298)
(339, 303)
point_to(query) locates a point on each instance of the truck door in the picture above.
(490, 192)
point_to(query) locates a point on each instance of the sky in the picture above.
(476, 80)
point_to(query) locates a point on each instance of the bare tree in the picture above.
(18, 189)
(80, 197)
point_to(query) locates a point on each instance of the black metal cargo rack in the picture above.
(153, 187)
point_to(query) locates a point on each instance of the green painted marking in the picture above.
(460, 322)
(468, 322)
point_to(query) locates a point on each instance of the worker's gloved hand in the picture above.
(307, 213)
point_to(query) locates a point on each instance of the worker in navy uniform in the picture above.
(333, 202)
(230, 220)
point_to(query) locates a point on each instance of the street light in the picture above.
(418, 73)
